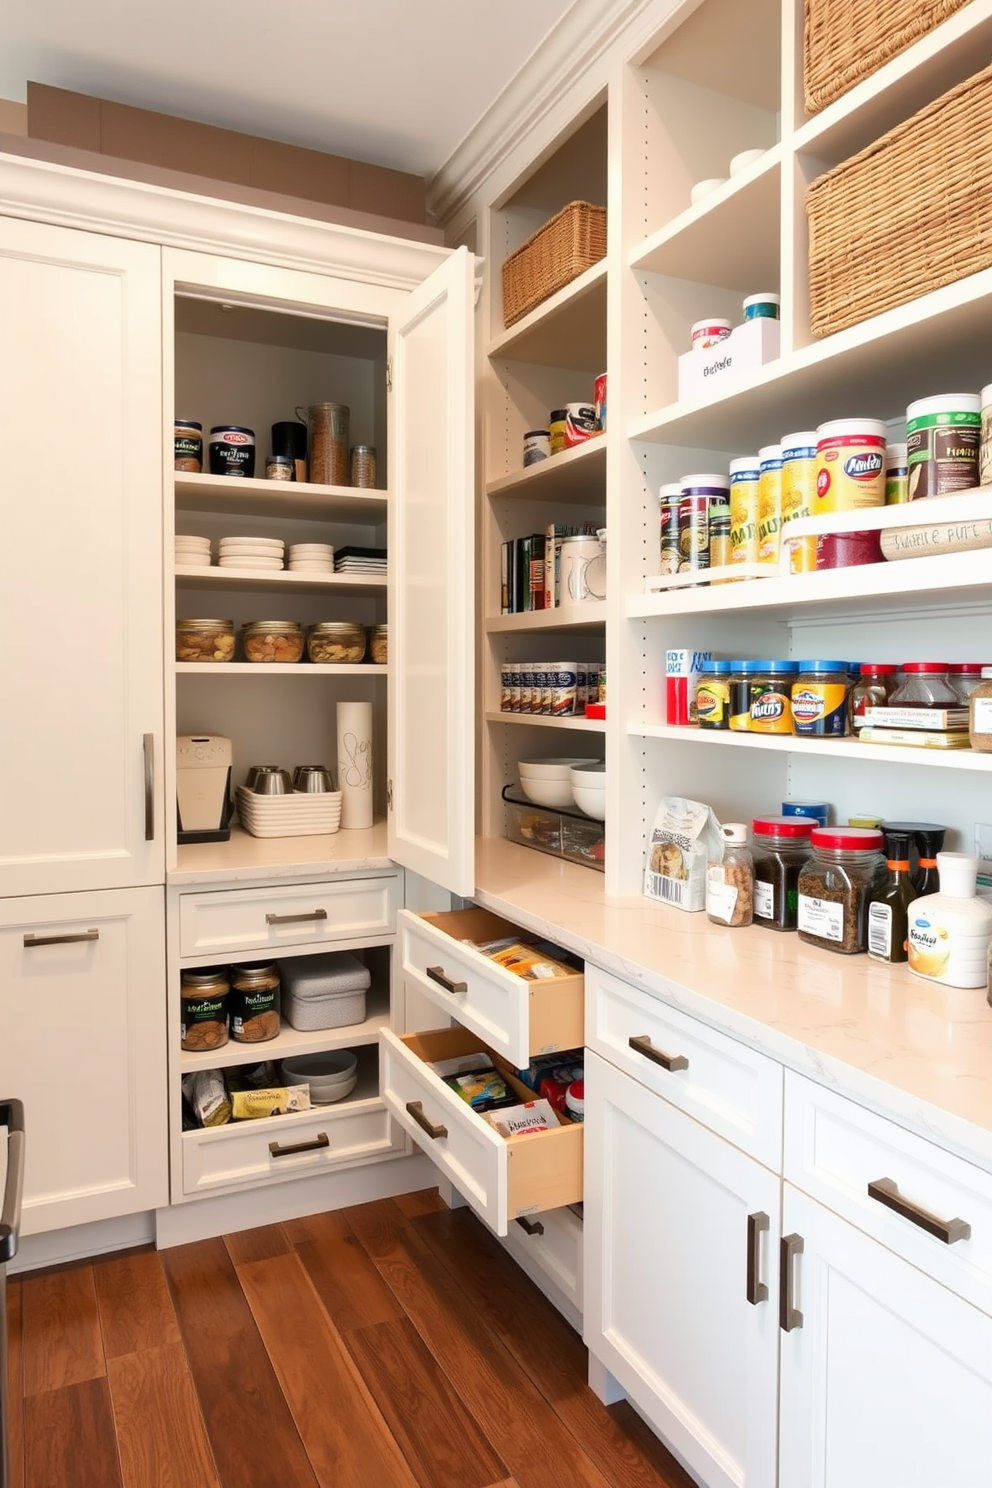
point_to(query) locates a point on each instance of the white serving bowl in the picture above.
(555, 794)
(331, 1075)
(743, 160)
(549, 769)
(591, 774)
(592, 802)
(703, 188)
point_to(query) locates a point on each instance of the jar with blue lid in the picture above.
(770, 697)
(741, 673)
(819, 699)
(713, 694)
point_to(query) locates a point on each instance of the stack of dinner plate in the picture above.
(192, 552)
(298, 814)
(251, 552)
(314, 558)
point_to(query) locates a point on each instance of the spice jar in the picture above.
(924, 685)
(189, 446)
(254, 1003)
(836, 881)
(871, 690)
(204, 640)
(819, 699)
(781, 847)
(363, 466)
(980, 713)
(273, 640)
(730, 884)
(336, 641)
(203, 1008)
(379, 644)
(280, 468)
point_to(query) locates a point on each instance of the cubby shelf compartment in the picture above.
(279, 669)
(543, 720)
(291, 1041)
(567, 330)
(850, 749)
(298, 583)
(265, 498)
(576, 476)
(564, 617)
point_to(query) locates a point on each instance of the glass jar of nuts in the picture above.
(204, 640)
(273, 640)
(378, 644)
(336, 641)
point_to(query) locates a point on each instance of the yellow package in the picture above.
(249, 1105)
(531, 962)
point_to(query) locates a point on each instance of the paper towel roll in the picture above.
(355, 763)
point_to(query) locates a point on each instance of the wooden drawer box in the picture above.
(514, 1017)
(834, 1149)
(734, 1091)
(235, 921)
(500, 1179)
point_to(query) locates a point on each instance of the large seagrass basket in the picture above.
(571, 242)
(847, 40)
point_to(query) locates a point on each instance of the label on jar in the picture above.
(942, 453)
(770, 708)
(743, 519)
(203, 1022)
(713, 704)
(822, 918)
(721, 897)
(820, 708)
(254, 1014)
(764, 900)
(189, 450)
(850, 472)
(982, 715)
(880, 931)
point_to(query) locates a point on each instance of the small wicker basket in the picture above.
(571, 242)
(847, 42)
(905, 216)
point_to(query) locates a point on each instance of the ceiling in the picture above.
(393, 82)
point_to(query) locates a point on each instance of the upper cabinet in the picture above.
(81, 750)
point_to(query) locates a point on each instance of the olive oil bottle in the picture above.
(888, 906)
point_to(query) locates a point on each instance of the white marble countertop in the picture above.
(247, 859)
(904, 1047)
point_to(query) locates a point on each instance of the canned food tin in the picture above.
(799, 496)
(769, 502)
(232, 450)
(744, 478)
(556, 430)
(189, 446)
(896, 475)
(669, 498)
(537, 446)
(581, 424)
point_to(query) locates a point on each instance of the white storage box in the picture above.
(708, 374)
(324, 991)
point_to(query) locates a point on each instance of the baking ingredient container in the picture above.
(844, 867)
(847, 549)
(924, 685)
(537, 446)
(325, 991)
(799, 495)
(872, 689)
(336, 641)
(985, 451)
(850, 465)
(964, 677)
(762, 307)
(896, 475)
(713, 695)
(289, 438)
(232, 450)
(818, 812)
(280, 468)
(770, 697)
(581, 424)
(599, 398)
(950, 932)
(741, 673)
(363, 467)
(943, 439)
(379, 644)
(669, 498)
(781, 847)
(327, 439)
(719, 515)
(744, 479)
(189, 446)
(769, 503)
(556, 429)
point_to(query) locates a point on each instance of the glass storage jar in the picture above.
(963, 677)
(336, 641)
(254, 1003)
(980, 713)
(835, 883)
(273, 640)
(204, 640)
(877, 680)
(819, 699)
(924, 685)
(363, 466)
(379, 644)
(203, 1008)
(780, 848)
(713, 695)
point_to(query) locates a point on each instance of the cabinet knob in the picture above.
(884, 1191)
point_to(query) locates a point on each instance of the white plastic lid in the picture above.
(763, 299)
(669, 489)
(987, 395)
(987, 671)
(837, 428)
(805, 439)
(712, 323)
(958, 874)
(745, 463)
(948, 403)
(895, 454)
(691, 482)
(735, 834)
(769, 452)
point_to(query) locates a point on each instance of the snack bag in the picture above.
(685, 837)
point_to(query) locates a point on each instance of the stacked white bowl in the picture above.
(588, 787)
(547, 782)
(192, 552)
(311, 558)
(331, 1075)
(259, 553)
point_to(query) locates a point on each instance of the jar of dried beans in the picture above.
(845, 865)
(255, 994)
(203, 1008)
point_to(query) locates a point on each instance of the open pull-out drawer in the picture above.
(501, 1179)
(515, 1017)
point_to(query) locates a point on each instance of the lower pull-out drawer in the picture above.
(501, 1179)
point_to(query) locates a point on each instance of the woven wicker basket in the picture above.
(848, 41)
(571, 242)
(905, 216)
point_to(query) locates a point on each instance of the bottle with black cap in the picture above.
(888, 905)
(928, 839)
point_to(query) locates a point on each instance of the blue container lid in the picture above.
(824, 666)
(774, 666)
(717, 668)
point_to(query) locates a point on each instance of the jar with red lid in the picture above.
(845, 866)
(876, 683)
(964, 677)
(780, 847)
(924, 685)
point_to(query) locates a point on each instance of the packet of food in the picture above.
(524, 1120)
(483, 1090)
(207, 1094)
(523, 960)
(461, 1064)
(685, 838)
(251, 1105)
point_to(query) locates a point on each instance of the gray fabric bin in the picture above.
(326, 991)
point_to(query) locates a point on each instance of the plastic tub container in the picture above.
(943, 444)
(844, 866)
(326, 991)
(850, 467)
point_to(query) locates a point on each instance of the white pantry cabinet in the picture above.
(80, 561)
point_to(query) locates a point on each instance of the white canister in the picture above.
(583, 570)
(354, 730)
(710, 332)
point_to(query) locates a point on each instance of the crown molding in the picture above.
(587, 31)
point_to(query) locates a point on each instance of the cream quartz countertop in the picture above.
(246, 859)
(903, 1047)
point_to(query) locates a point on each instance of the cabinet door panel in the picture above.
(888, 1383)
(80, 562)
(666, 1308)
(431, 568)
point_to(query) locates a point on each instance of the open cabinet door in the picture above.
(431, 568)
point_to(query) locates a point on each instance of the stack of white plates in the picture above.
(251, 552)
(299, 814)
(311, 558)
(192, 552)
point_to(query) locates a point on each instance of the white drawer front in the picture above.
(499, 1179)
(734, 1091)
(550, 1252)
(269, 920)
(239, 1155)
(514, 1017)
(834, 1149)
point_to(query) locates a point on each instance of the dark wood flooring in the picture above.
(386, 1346)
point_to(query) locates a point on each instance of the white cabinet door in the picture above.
(80, 561)
(681, 1289)
(431, 570)
(887, 1383)
(82, 1009)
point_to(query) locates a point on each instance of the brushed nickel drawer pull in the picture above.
(416, 1110)
(643, 1045)
(436, 974)
(40, 940)
(757, 1225)
(319, 1141)
(148, 749)
(296, 919)
(789, 1317)
(884, 1191)
(530, 1226)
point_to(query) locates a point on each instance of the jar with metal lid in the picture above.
(273, 640)
(336, 641)
(780, 848)
(379, 644)
(189, 446)
(924, 685)
(872, 689)
(280, 468)
(203, 1008)
(770, 697)
(363, 466)
(835, 883)
(963, 677)
(819, 699)
(328, 442)
(713, 695)
(980, 713)
(254, 1003)
(204, 640)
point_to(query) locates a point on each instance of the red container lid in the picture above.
(926, 666)
(783, 826)
(860, 839)
(878, 668)
(967, 666)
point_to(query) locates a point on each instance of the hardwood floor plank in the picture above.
(69, 1439)
(63, 1344)
(257, 1245)
(352, 1291)
(512, 1413)
(424, 1201)
(436, 1434)
(249, 1424)
(15, 1386)
(136, 1310)
(160, 1431)
(328, 1225)
(344, 1434)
